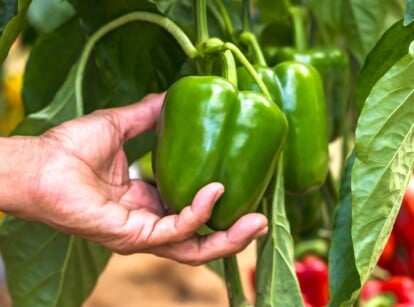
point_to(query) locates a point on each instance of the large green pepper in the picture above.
(333, 65)
(306, 153)
(208, 131)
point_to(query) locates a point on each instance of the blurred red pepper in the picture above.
(388, 253)
(312, 274)
(408, 199)
(401, 288)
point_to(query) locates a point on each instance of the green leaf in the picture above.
(271, 11)
(344, 282)
(57, 51)
(13, 27)
(362, 23)
(384, 146)
(8, 9)
(48, 268)
(95, 13)
(409, 13)
(63, 107)
(277, 284)
(390, 48)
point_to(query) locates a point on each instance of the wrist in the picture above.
(20, 166)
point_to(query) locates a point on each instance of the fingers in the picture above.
(175, 237)
(139, 117)
(198, 249)
(178, 227)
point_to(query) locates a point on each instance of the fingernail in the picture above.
(219, 190)
(261, 232)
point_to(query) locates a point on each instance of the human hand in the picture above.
(83, 188)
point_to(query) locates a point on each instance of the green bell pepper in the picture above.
(333, 65)
(297, 88)
(209, 131)
(306, 152)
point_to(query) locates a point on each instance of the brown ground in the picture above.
(149, 281)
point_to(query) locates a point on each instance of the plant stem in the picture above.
(229, 67)
(227, 21)
(245, 62)
(246, 16)
(233, 283)
(181, 38)
(250, 40)
(299, 15)
(201, 20)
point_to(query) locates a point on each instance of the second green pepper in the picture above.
(306, 153)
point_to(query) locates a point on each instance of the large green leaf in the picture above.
(63, 107)
(47, 268)
(95, 13)
(277, 284)
(13, 27)
(49, 63)
(390, 48)
(362, 24)
(344, 281)
(384, 148)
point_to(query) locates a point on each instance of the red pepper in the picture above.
(408, 199)
(402, 287)
(312, 274)
(388, 253)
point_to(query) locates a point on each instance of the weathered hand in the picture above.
(83, 188)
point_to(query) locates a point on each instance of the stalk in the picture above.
(299, 15)
(233, 283)
(201, 20)
(250, 40)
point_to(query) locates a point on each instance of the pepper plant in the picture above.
(300, 74)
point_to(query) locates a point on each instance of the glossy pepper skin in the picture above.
(333, 66)
(246, 83)
(306, 151)
(209, 131)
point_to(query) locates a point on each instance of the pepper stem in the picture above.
(245, 62)
(226, 18)
(233, 283)
(178, 34)
(229, 67)
(250, 40)
(298, 15)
